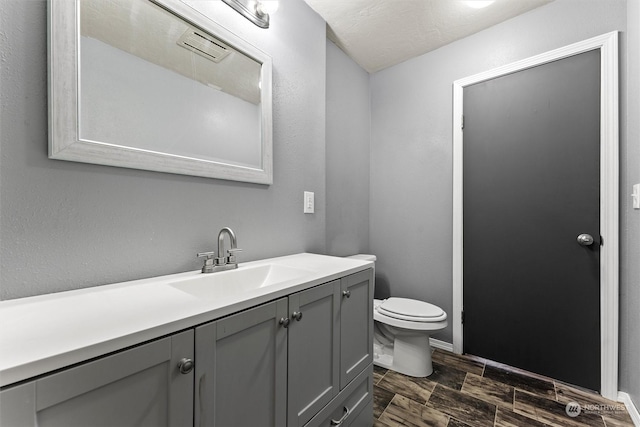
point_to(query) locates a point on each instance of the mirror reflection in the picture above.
(151, 81)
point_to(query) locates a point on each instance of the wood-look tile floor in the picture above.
(467, 391)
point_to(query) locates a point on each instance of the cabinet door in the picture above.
(356, 325)
(141, 386)
(241, 369)
(314, 340)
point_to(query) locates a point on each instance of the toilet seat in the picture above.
(411, 310)
(391, 319)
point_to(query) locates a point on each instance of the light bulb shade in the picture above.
(478, 4)
(268, 7)
(250, 10)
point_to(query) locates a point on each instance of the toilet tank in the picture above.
(364, 257)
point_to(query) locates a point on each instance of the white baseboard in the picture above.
(442, 345)
(631, 408)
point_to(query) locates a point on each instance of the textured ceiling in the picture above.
(380, 33)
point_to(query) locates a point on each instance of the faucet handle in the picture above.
(206, 255)
(232, 255)
(208, 261)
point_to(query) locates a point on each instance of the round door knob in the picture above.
(346, 294)
(585, 239)
(185, 365)
(297, 315)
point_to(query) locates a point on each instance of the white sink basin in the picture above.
(230, 283)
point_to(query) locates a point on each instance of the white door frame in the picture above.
(609, 175)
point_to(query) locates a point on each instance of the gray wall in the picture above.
(630, 218)
(67, 225)
(411, 158)
(348, 136)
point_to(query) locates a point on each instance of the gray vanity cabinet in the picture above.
(297, 361)
(142, 386)
(302, 360)
(241, 369)
(314, 351)
(331, 353)
(352, 372)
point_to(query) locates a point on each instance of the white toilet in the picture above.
(402, 329)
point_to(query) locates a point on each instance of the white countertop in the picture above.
(48, 332)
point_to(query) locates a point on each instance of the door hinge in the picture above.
(462, 317)
(462, 127)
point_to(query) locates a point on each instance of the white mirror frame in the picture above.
(64, 137)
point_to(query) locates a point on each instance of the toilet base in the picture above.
(408, 354)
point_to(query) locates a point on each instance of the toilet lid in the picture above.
(412, 310)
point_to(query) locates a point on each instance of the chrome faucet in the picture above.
(230, 259)
(221, 263)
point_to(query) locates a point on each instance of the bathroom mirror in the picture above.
(155, 85)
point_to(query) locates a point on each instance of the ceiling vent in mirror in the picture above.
(204, 45)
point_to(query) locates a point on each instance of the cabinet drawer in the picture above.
(349, 405)
(365, 417)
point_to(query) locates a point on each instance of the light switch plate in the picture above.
(309, 202)
(636, 196)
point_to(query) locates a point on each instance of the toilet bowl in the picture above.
(402, 328)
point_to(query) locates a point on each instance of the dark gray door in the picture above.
(531, 186)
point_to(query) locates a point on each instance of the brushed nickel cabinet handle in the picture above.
(185, 366)
(341, 420)
(284, 321)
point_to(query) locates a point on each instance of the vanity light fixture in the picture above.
(478, 4)
(268, 6)
(254, 10)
